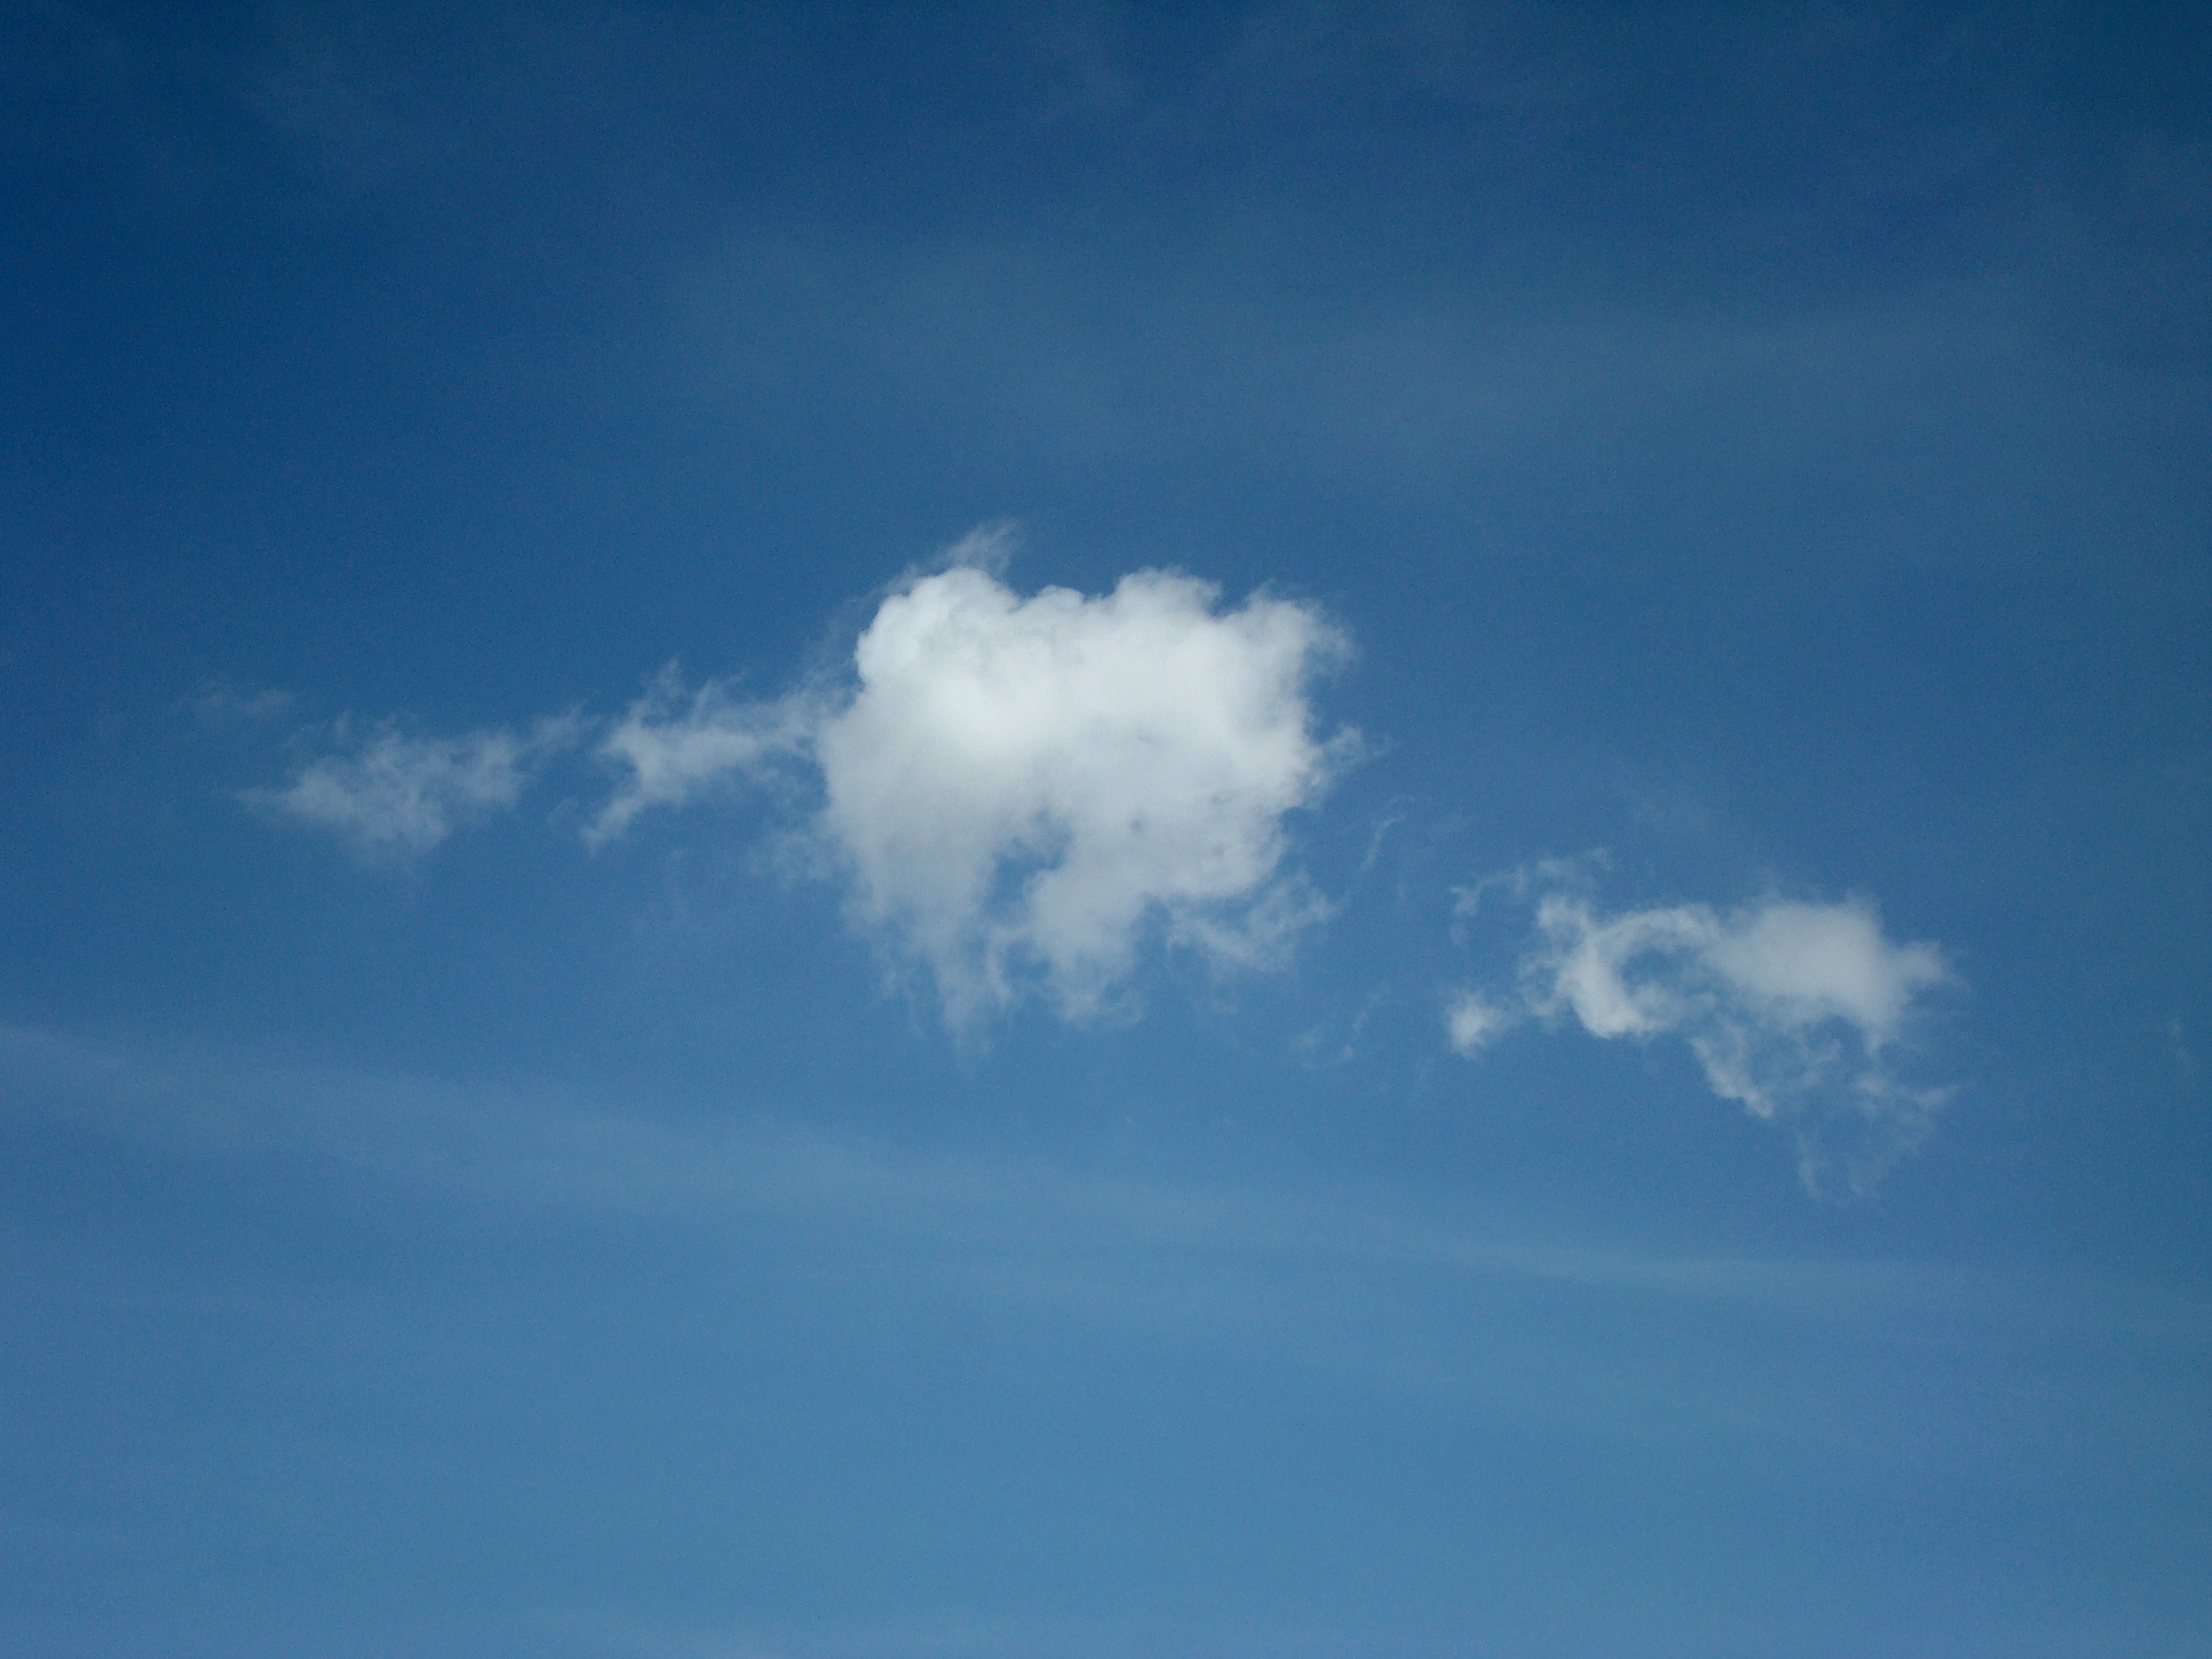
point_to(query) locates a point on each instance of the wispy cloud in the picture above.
(215, 704)
(1018, 792)
(669, 748)
(1794, 1009)
(393, 797)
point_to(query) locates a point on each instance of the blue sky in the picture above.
(1093, 830)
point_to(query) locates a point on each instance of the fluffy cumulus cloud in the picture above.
(1021, 792)
(394, 796)
(1797, 1011)
(1031, 783)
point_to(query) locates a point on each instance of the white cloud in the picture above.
(1019, 791)
(1802, 963)
(671, 750)
(1473, 1020)
(395, 797)
(1029, 781)
(1794, 1009)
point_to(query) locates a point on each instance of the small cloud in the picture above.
(1514, 885)
(217, 705)
(671, 747)
(393, 798)
(1796, 1011)
(1472, 1020)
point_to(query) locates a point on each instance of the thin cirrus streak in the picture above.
(545, 1149)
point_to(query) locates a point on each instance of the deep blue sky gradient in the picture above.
(1768, 447)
